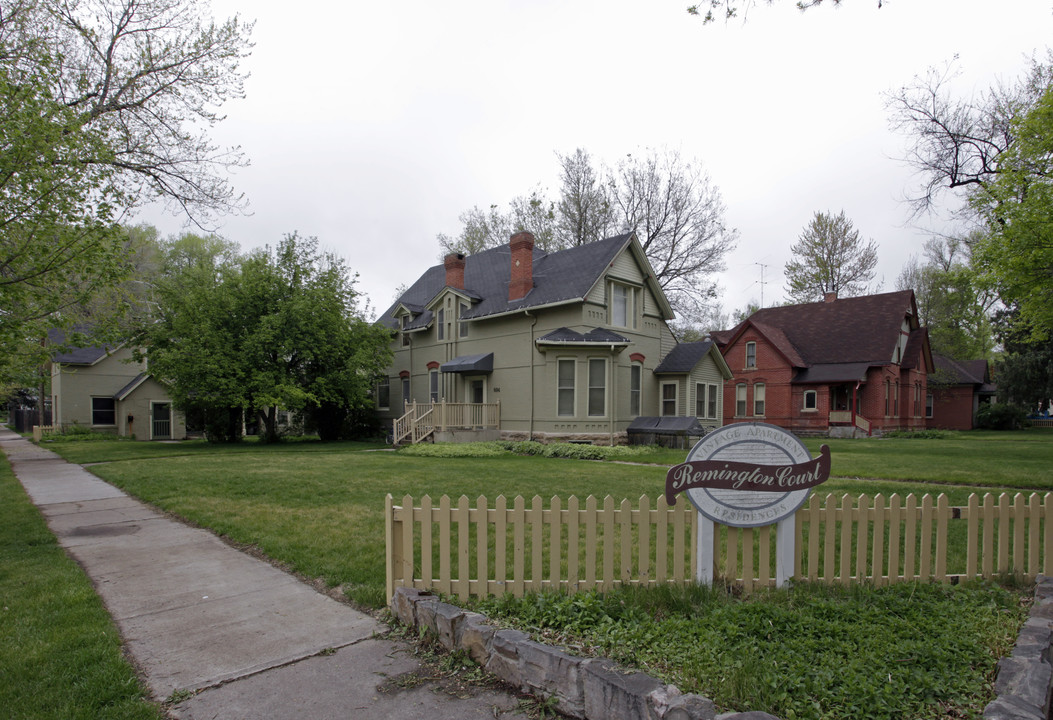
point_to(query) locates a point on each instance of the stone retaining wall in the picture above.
(586, 688)
(594, 689)
(1025, 677)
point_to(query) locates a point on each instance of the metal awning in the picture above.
(471, 364)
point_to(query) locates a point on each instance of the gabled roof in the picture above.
(960, 372)
(77, 355)
(850, 330)
(559, 277)
(130, 387)
(683, 358)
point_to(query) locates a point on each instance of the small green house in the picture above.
(517, 343)
(104, 388)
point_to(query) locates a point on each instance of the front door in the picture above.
(162, 421)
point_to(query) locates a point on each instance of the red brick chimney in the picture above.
(454, 263)
(522, 280)
(830, 296)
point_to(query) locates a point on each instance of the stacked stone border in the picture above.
(586, 688)
(1025, 678)
(596, 689)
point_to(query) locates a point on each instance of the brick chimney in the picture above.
(454, 263)
(830, 297)
(522, 279)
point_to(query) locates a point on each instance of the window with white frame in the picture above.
(433, 385)
(597, 387)
(751, 354)
(405, 335)
(565, 387)
(440, 324)
(740, 400)
(669, 398)
(811, 400)
(700, 400)
(405, 390)
(103, 411)
(714, 391)
(758, 399)
(635, 382)
(623, 313)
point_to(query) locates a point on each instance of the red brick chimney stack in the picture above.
(454, 263)
(830, 296)
(522, 280)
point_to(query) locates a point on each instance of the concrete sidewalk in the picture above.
(198, 616)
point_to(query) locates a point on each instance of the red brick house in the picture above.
(853, 366)
(956, 390)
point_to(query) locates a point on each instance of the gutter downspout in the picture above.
(533, 349)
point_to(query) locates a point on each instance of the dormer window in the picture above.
(402, 328)
(623, 310)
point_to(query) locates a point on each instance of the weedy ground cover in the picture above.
(810, 652)
(60, 654)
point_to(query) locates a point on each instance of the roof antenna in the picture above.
(763, 282)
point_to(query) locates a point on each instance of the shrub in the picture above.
(1000, 416)
(918, 434)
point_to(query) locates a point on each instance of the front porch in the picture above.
(451, 421)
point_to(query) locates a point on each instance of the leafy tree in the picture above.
(952, 303)
(273, 329)
(1016, 253)
(98, 108)
(1024, 373)
(830, 256)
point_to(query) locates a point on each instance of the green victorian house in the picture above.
(516, 343)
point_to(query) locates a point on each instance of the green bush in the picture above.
(79, 433)
(919, 434)
(1000, 416)
(573, 451)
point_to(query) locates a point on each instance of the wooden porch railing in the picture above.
(422, 419)
(844, 417)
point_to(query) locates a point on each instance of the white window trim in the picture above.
(764, 389)
(804, 401)
(747, 361)
(744, 401)
(675, 398)
(636, 393)
(573, 387)
(103, 397)
(589, 386)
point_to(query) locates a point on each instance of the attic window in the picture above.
(623, 312)
(751, 355)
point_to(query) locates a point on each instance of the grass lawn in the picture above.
(317, 508)
(60, 654)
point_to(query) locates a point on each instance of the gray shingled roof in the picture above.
(561, 276)
(683, 358)
(77, 355)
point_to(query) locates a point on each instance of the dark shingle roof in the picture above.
(88, 355)
(850, 330)
(960, 372)
(560, 276)
(683, 358)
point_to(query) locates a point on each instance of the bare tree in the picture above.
(678, 215)
(710, 10)
(584, 210)
(830, 256)
(957, 144)
(148, 77)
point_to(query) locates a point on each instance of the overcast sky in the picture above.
(373, 125)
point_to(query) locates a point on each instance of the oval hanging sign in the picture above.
(748, 474)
